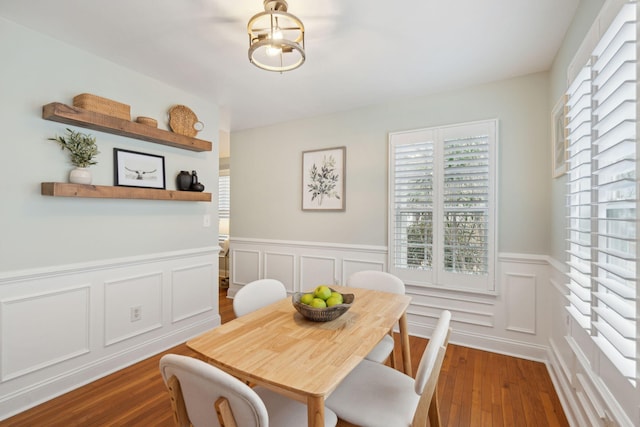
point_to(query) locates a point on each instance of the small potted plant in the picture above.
(82, 149)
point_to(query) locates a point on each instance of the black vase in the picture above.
(195, 185)
(183, 181)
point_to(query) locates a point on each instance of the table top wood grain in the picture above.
(278, 348)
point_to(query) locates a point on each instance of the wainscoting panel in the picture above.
(39, 331)
(317, 270)
(520, 292)
(299, 265)
(191, 292)
(282, 267)
(245, 265)
(122, 297)
(350, 266)
(508, 322)
(65, 326)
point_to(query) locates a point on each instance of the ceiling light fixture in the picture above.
(276, 38)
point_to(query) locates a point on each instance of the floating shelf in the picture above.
(61, 189)
(62, 113)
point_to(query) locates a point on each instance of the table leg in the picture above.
(404, 341)
(315, 411)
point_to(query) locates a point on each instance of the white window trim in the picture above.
(442, 280)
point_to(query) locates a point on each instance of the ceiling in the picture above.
(359, 52)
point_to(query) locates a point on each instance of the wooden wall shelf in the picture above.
(62, 113)
(61, 189)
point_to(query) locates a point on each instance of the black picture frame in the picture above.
(135, 169)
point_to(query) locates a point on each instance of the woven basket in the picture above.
(101, 105)
(322, 314)
(184, 121)
(147, 121)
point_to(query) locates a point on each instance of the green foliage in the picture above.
(82, 147)
(324, 180)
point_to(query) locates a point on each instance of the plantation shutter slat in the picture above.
(603, 181)
(614, 175)
(224, 196)
(466, 204)
(442, 198)
(578, 125)
(413, 204)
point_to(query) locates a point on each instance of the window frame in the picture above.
(438, 277)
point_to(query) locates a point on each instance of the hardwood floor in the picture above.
(476, 388)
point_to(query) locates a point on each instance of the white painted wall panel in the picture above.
(193, 292)
(245, 265)
(40, 330)
(317, 270)
(64, 326)
(520, 291)
(282, 267)
(124, 294)
(350, 266)
(479, 320)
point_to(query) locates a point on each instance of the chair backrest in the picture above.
(429, 368)
(225, 248)
(376, 280)
(201, 393)
(257, 294)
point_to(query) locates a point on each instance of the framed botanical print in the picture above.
(323, 179)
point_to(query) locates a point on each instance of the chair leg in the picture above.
(392, 356)
(434, 410)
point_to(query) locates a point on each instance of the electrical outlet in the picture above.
(136, 313)
(206, 220)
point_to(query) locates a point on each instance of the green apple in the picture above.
(306, 299)
(333, 300)
(318, 303)
(337, 295)
(323, 292)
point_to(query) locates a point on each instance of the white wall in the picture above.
(71, 269)
(38, 231)
(272, 236)
(266, 173)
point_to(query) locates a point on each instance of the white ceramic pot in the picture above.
(80, 176)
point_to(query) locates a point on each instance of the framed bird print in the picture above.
(133, 169)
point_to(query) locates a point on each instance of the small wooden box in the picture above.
(101, 105)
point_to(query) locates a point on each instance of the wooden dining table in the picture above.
(277, 348)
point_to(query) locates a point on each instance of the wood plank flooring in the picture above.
(476, 388)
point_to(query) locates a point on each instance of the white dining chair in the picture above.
(375, 395)
(257, 294)
(203, 395)
(379, 281)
